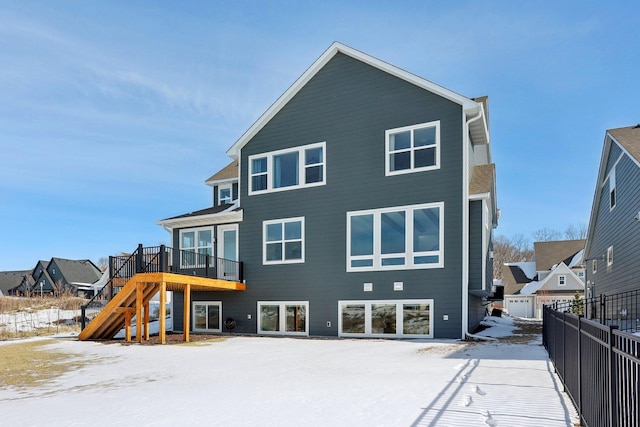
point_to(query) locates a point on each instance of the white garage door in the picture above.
(520, 307)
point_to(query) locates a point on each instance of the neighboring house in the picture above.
(555, 276)
(613, 241)
(56, 276)
(10, 281)
(361, 204)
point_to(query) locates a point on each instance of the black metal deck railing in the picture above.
(158, 259)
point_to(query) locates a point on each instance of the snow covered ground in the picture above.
(28, 320)
(246, 381)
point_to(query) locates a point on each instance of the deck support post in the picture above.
(187, 311)
(162, 313)
(139, 317)
(146, 321)
(127, 326)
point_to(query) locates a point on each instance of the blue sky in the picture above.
(112, 114)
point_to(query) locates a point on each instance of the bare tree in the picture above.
(103, 263)
(576, 232)
(516, 249)
(546, 234)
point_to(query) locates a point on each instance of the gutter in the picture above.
(465, 224)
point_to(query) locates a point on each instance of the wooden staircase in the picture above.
(133, 300)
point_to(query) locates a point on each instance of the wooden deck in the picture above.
(133, 300)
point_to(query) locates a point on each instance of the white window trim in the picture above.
(562, 278)
(264, 240)
(193, 315)
(408, 253)
(182, 250)
(399, 318)
(609, 256)
(301, 168)
(283, 318)
(412, 169)
(225, 187)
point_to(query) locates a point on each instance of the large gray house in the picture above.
(361, 204)
(613, 241)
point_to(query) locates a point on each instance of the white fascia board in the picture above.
(212, 183)
(469, 106)
(203, 220)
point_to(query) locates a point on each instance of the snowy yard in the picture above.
(246, 381)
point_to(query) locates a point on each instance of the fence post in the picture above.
(603, 309)
(83, 312)
(207, 263)
(139, 268)
(580, 317)
(240, 272)
(110, 284)
(564, 351)
(612, 365)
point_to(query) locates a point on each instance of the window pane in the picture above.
(259, 183)
(426, 230)
(269, 318)
(188, 258)
(415, 319)
(424, 157)
(204, 238)
(400, 141)
(229, 245)
(293, 230)
(313, 156)
(213, 317)
(200, 316)
(383, 318)
(313, 174)
(353, 319)
(292, 250)
(393, 232)
(362, 263)
(296, 316)
(431, 259)
(259, 165)
(400, 161)
(225, 195)
(274, 232)
(362, 235)
(285, 170)
(393, 261)
(274, 252)
(424, 136)
(188, 240)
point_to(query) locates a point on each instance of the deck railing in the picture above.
(158, 259)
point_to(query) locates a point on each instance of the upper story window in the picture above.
(612, 189)
(224, 194)
(283, 241)
(610, 256)
(398, 238)
(413, 148)
(287, 169)
(195, 246)
(562, 280)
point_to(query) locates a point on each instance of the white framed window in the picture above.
(609, 256)
(196, 244)
(207, 316)
(412, 148)
(225, 194)
(283, 241)
(397, 238)
(289, 169)
(594, 266)
(283, 317)
(386, 318)
(612, 189)
(562, 280)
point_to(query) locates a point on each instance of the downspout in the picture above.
(465, 226)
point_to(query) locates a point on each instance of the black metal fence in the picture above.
(158, 259)
(599, 366)
(621, 310)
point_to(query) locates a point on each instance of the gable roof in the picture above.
(628, 139)
(77, 271)
(560, 269)
(228, 173)
(548, 254)
(478, 128)
(516, 275)
(10, 280)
